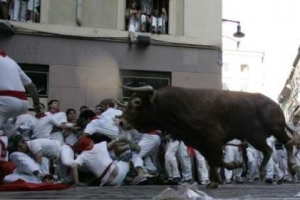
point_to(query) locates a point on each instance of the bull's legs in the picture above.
(259, 141)
(214, 175)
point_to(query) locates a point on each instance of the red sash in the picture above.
(105, 171)
(11, 93)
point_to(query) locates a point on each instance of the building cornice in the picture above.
(107, 35)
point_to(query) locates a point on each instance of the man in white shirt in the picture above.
(96, 157)
(44, 147)
(13, 99)
(106, 123)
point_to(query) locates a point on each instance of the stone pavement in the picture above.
(257, 190)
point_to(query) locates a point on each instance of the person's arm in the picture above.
(32, 89)
(74, 169)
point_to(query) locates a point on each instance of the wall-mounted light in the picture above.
(238, 33)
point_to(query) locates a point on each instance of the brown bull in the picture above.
(207, 119)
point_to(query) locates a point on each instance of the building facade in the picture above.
(80, 51)
(289, 97)
(243, 70)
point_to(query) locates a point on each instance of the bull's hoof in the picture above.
(212, 185)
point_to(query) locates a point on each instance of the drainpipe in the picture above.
(78, 12)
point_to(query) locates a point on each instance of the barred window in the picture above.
(147, 16)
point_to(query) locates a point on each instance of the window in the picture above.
(141, 78)
(39, 75)
(244, 68)
(147, 16)
(23, 11)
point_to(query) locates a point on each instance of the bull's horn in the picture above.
(119, 104)
(147, 88)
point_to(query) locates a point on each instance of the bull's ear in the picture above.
(136, 101)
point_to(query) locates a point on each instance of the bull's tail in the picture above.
(295, 137)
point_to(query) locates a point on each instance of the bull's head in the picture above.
(139, 112)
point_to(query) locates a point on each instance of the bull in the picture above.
(207, 119)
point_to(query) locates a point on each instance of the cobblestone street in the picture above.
(258, 190)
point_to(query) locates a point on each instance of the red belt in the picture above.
(105, 171)
(11, 93)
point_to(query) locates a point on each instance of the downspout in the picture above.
(78, 12)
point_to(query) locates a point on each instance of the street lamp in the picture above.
(238, 33)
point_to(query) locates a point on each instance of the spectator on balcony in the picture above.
(133, 15)
(146, 12)
(4, 9)
(34, 9)
(19, 11)
(158, 21)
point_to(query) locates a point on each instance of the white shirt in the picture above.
(96, 160)
(11, 75)
(44, 126)
(26, 121)
(47, 147)
(106, 124)
(295, 128)
(71, 139)
(235, 142)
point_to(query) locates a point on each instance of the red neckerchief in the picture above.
(2, 53)
(40, 115)
(3, 150)
(53, 112)
(155, 132)
(92, 118)
(191, 151)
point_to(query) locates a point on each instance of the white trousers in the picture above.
(253, 163)
(11, 107)
(232, 153)
(65, 162)
(272, 168)
(19, 11)
(201, 167)
(123, 169)
(171, 163)
(149, 149)
(185, 162)
(158, 23)
(25, 166)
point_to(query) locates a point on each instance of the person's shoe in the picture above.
(269, 180)
(250, 180)
(256, 178)
(227, 181)
(175, 181)
(190, 181)
(239, 180)
(280, 181)
(140, 180)
(205, 182)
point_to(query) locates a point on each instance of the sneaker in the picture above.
(280, 181)
(140, 180)
(152, 174)
(228, 181)
(269, 180)
(174, 181)
(205, 182)
(239, 180)
(190, 181)
(250, 180)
